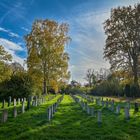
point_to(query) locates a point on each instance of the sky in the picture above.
(85, 19)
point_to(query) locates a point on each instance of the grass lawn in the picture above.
(70, 123)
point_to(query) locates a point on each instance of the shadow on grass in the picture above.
(69, 123)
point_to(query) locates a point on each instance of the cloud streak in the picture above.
(88, 41)
(10, 33)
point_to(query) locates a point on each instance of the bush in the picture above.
(20, 85)
(108, 88)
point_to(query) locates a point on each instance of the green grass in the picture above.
(70, 123)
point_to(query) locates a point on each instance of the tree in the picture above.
(90, 77)
(19, 85)
(47, 58)
(16, 67)
(5, 70)
(123, 39)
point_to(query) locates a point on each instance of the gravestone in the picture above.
(3, 104)
(86, 106)
(36, 101)
(99, 117)
(92, 111)
(49, 113)
(33, 103)
(128, 104)
(126, 111)
(9, 101)
(52, 111)
(32, 97)
(102, 103)
(88, 109)
(18, 101)
(118, 109)
(112, 106)
(136, 107)
(23, 107)
(98, 101)
(24, 99)
(15, 103)
(4, 116)
(15, 112)
(106, 104)
(53, 108)
(28, 102)
(112, 101)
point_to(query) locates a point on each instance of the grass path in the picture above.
(69, 123)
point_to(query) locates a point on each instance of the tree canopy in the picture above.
(47, 58)
(122, 47)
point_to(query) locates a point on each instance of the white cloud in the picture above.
(88, 41)
(9, 32)
(10, 45)
(25, 29)
(12, 48)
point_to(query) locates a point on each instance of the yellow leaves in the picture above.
(46, 44)
(4, 56)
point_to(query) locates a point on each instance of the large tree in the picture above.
(46, 52)
(123, 39)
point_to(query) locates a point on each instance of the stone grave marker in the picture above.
(112, 106)
(49, 111)
(9, 101)
(3, 104)
(15, 112)
(88, 109)
(4, 116)
(18, 101)
(106, 104)
(118, 109)
(23, 107)
(126, 111)
(92, 111)
(99, 117)
(102, 103)
(15, 102)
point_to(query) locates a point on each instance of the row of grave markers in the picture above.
(100, 101)
(53, 108)
(31, 101)
(91, 111)
(110, 104)
(34, 99)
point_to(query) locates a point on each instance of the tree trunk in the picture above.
(44, 80)
(135, 78)
(135, 71)
(44, 86)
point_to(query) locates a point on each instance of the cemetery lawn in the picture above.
(70, 123)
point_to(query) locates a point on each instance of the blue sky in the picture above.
(85, 18)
